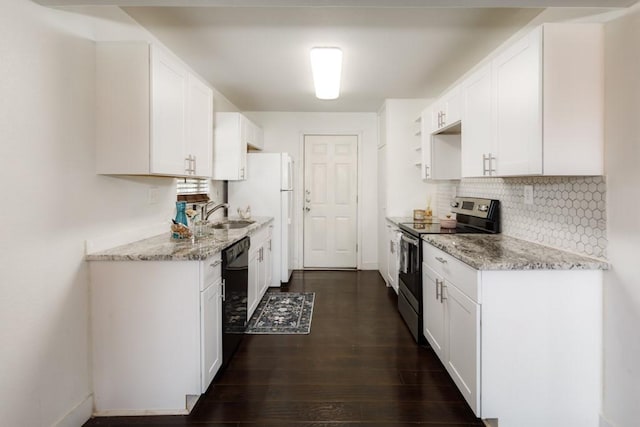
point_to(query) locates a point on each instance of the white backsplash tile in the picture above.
(567, 212)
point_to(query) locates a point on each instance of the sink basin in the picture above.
(233, 224)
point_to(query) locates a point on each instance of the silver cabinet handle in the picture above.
(438, 284)
(442, 288)
(193, 169)
(426, 171)
(241, 173)
(391, 247)
(442, 260)
(216, 263)
(223, 291)
(488, 170)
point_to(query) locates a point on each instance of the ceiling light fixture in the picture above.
(326, 65)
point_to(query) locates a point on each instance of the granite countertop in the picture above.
(500, 252)
(164, 248)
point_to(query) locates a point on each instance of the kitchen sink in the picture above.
(232, 224)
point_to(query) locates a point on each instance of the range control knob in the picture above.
(455, 204)
(483, 208)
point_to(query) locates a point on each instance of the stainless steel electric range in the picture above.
(474, 215)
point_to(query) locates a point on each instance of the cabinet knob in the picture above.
(442, 260)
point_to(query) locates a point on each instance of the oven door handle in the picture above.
(414, 242)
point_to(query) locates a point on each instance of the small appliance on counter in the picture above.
(473, 215)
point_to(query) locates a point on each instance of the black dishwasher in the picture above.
(235, 278)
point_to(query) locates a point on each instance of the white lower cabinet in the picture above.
(452, 326)
(211, 332)
(260, 268)
(523, 347)
(156, 331)
(393, 256)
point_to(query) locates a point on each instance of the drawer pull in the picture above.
(216, 263)
(438, 284)
(442, 260)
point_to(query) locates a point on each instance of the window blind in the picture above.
(192, 189)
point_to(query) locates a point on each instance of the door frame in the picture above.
(299, 194)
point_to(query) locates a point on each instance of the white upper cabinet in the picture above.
(168, 115)
(446, 111)
(234, 133)
(538, 107)
(518, 95)
(549, 103)
(153, 116)
(477, 137)
(200, 126)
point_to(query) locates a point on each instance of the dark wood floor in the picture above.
(358, 366)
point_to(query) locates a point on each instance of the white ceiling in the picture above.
(258, 57)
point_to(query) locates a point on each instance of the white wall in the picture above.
(622, 282)
(283, 133)
(52, 201)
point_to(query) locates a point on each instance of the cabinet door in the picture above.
(518, 95)
(168, 118)
(268, 265)
(463, 341)
(200, 129)
(211, 332)
(392, 257)
(433, 321)
(252, 288)
(262, 272)
(229, 148)
(452, 107)
(477, 123)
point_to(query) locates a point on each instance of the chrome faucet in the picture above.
(205, 214)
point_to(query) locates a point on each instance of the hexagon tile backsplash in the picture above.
(567, 212)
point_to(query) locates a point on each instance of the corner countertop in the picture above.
(164, 248)
(500, 252)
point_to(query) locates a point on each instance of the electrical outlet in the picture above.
(528, 194)
(153, 195)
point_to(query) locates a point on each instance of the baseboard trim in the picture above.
(78, 415)
(369, 266)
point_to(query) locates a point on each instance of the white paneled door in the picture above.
(330, 201)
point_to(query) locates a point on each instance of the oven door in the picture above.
(409, 269)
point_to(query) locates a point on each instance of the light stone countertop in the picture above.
(164, 248)
(500, 252)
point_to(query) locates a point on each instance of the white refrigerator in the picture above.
(268, 189)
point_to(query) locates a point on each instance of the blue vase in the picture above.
(181, 216)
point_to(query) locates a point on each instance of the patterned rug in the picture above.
(283, 313)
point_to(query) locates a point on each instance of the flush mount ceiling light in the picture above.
(326, 65)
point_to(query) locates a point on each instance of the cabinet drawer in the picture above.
(452, 270)
(210, 271)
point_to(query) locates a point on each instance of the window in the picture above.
(193, 190)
